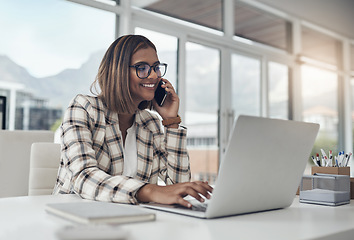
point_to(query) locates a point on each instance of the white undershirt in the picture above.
(130, 152)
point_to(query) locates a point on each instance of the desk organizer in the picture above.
(337, 171)
(331, 170)
(325, 189)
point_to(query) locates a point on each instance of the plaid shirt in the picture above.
(92, 153)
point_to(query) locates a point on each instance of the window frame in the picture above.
(225, 41)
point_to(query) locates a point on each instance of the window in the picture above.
(278, 90)
(260, 26)
(207, 13)
(352, 106)
(166, 50)
(2, 112)
(319, 93)
(202, 87)
(321, 47)
(246, 88)
(51, 52)
(352, 58)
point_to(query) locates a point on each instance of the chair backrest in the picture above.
(15, 148)
(44, 164)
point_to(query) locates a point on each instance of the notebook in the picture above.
(261, 169)
(99, 212)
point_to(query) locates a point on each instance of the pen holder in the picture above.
(325, 189)
(337, 171)
(331, 170)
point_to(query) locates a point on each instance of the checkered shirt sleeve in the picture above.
(175, 163)
(80, 164)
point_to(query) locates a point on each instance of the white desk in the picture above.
(25, 218)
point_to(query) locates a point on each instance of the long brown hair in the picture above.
(113, 74)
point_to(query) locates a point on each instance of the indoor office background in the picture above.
(271, 58)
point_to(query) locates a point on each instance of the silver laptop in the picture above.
(261, 170)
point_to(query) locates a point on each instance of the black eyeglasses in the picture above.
(143, 70)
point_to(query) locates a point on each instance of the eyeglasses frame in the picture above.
(150, 67)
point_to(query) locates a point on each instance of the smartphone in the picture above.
(160, 94)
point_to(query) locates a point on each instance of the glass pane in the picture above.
(352, 57)
(352, 106)
(246, 88)
(166, 46)
(321, 47)
(319, 93)
(202, 87)
(207, 13)
(260, 26)
(278, 90)
(48, 56)
(2, 112)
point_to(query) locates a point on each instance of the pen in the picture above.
(323, 162)
(324, 157)
(347, 159)
(342, 159)
(314, 161)
(318, 159)
(330, 158)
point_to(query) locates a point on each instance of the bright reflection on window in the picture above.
(166, 46)
(352, 106)
(246, 85)
(278, 94)
(50, 51)
(319, 93)
(202, 87)
(352, 57)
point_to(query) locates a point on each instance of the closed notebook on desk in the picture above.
(99, 212)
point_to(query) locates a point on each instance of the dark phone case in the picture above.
(160, 94)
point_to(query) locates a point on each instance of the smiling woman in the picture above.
(141, 86)
(114, 149)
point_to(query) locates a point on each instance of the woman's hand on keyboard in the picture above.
(174, 194)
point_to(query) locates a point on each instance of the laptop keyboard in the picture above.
(200, 207)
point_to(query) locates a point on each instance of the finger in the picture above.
(188, 190)
(208, 187)
(194, 193)
(204, 189)
(169, 89)
(166, 81)
(184, 203)
(168, 85)
(201, 190)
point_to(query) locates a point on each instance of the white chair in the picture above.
(44, 164)
(15, 149)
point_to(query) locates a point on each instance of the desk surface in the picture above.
(25, 218)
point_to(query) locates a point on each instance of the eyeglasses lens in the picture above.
(144, 70)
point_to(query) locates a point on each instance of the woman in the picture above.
(114, 148)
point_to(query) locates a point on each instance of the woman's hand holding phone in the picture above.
(170, 105)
